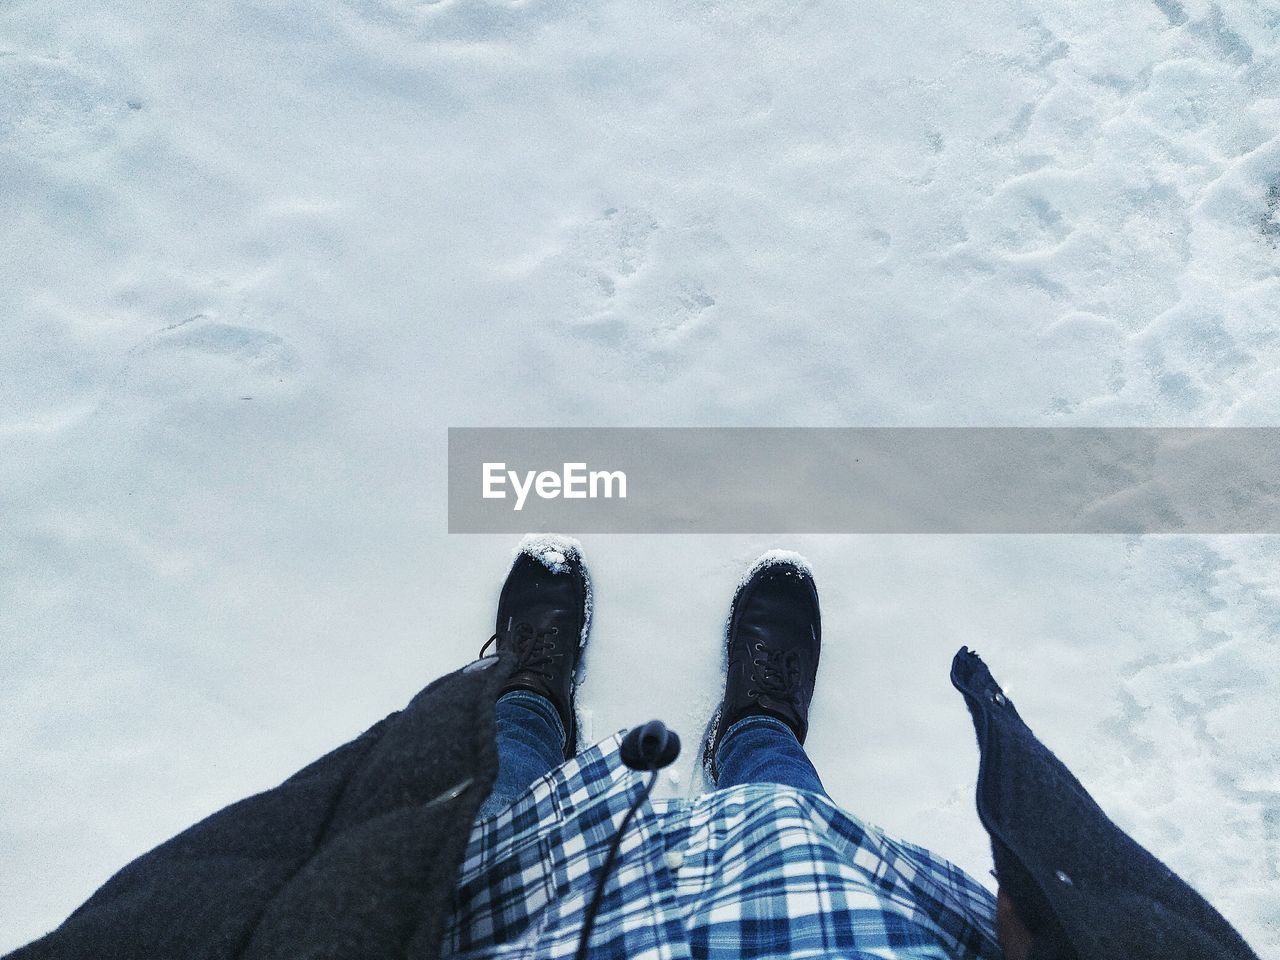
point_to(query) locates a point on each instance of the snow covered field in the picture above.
(257, 256)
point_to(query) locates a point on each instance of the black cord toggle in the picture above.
(650, 747)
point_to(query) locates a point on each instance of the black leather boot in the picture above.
(774, 638)
(544, 613)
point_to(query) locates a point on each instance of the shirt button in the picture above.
(674, 859)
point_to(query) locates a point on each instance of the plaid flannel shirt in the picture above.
(752, 871)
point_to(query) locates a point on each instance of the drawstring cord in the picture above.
(594, 907)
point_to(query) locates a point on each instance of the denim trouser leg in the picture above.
(530, 744)
(760, 749)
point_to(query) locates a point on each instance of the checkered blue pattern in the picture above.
(751, 871)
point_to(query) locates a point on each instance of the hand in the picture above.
(1015, 938)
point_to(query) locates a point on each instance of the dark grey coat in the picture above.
(355, 856)
(1090, 889)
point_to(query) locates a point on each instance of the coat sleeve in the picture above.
(352, 856)
(1075, 877)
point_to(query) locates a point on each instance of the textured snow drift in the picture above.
(257, 257)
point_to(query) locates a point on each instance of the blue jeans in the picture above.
(760, 749)
(531, 740)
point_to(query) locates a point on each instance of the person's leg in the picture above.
(543, 617)
(762, 749)
(774, 639)
(531, 743)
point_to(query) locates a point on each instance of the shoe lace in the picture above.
(776, 673)
(536, 650)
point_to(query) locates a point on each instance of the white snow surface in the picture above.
(258, 256)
